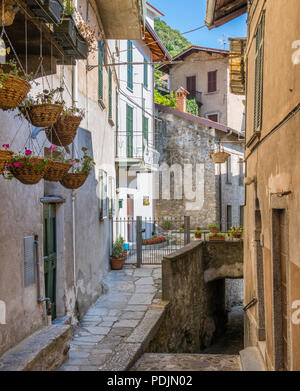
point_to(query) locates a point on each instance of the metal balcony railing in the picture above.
(136, 148)
(197, 95)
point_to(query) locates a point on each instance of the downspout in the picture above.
(74, 192)
(220, 197)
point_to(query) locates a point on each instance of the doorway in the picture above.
(50, 256)
(280, 288)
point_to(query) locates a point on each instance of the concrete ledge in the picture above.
(251, 359)
(44, 350)
(137, 342)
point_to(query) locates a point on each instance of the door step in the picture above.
(44, 350)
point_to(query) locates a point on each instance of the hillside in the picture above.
(172, 39)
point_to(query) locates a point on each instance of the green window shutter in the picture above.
(145, 130)
(109, 93)
(100, 70)
(129, 130)
(129, 66)
(259, 66)
(145, 74)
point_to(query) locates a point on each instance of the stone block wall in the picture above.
(196, 312)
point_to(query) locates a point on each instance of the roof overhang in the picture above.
(219, 12)
(159, 51)
(122, 19)
(200, 120)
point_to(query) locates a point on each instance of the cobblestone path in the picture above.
(187, 362)
(113, 330)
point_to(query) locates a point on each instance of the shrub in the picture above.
(117, 250)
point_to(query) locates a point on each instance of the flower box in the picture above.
(217, 238)
(49, 10)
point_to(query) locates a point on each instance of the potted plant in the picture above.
(63, 132)
(59, 164)
(45, 109)
(166, 225)
(198, 234)
(117, 258)
(213, 228)
(217, 237)
(13, 86)
(235, 233)
(26, 167)
(5, 155)
(81, 169)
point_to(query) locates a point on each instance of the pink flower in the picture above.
(9, 165)
(52, 148)
(5, 146)
(73, 162)
(17, 164)
(28, 152)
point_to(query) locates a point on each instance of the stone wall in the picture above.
(196, 313)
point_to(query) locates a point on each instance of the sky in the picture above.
(185, 15)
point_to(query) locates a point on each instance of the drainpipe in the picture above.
(220, 197)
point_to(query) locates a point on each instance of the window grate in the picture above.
(29, 261)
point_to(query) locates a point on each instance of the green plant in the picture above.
(166, 224)
(74, 111)
(213, 226)
(15, 71)
(117, 250)
(69, 8)
(218, 234)
(35, 162)
(83, 165)
(192, 107)
(198, 232)
(168, 100)
(58, 154)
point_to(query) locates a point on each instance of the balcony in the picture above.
(135, 151)
(197, 95)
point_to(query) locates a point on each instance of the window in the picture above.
(103, 194)
(212, 81)
(228, 217)
(241, 173)
(259, 65)
(100, 70)
(145, 74)
(145, 131)
(129, 66)
(213, 117)
(129, 130)
(191, 86)
(228, 170)
(109, 93)
(241, 216)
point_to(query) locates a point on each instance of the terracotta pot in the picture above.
(117, 263)
(213, 230)
(236, 236)
(198, 236)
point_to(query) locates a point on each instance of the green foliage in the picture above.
(117, 250)
(218, 234)
(165, 100)
(84, 164)
(192, 107)
(198, 232)
(167, 224)
(172, 39)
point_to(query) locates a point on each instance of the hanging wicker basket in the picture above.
(5, 156)
(73, 180)
(56, 170)
(13, 92)
(44, 114)
(8, 17)
(219, 157)
(28, 174)
(64, 130)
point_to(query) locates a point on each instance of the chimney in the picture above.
(181, 94)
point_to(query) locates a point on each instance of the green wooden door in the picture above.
(50, 254)
(129, 130)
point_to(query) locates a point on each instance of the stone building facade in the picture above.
(271, 240)
(197, 187)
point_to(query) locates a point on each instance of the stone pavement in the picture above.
(116, 330)
(187, 362)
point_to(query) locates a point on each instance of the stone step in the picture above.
(187, 362)
(251, 359)
(44, 350)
